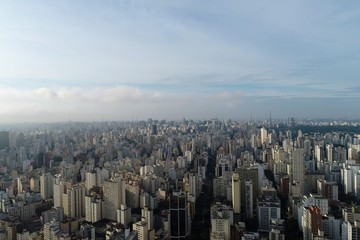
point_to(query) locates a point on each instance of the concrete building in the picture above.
(142, 230)
(263, 136)
(93, 208)
(221, 220)
(223, 165)
(350, 231)
(350, 178)
(58, 191)
(222, 187)
(297, 169)
(277, 229)
(147, 216)
(250, 173)
(132, 197)
(87, 231)
(56, 214)
(332, 227)
(74, 202)
(4, 139)
(236, 193)
(268, 208)
(311, 222)
(46, 185)
(330, 190)
(249, 201)
(92, 178)
(51, 230)
(180, 221)
(114, 196)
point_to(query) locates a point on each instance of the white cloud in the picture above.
(113, 103)
(173, 58)
(46, 93)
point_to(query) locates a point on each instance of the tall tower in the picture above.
(221, 219)
(4, 140)
(46, 185)
(298, 167)
(93, 208)
(319, 157)
(141, 229)
(51, 229)
(249, 174)
(329, 152)
(74, 202)
(249, 202)
(263, 135)
(268, 208)
(91, 179)
(236, 193)
(58, 190)
(114, 196)
(148, 217)
(311, 221)
(154, 129)
(180, 222)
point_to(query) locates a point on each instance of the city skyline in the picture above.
(93, 61)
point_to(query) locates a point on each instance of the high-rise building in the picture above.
(223, 165)
(249, 174)
(291, 122)
(132, 197)
(87, 231)
(311, 222)
(51, 230)
(277, 230)
(222, 187)
(141, 229)
(92, 179)
(351, 178)
(46, 185)
(332, 227)
(298, 168)
(24, 235)
(74, 202)
(4, 140)
(35, 184)
(328, 189)
(236, 193)
(307, 147)
(114, 196)
(93, 209)
(329, 152)
(125, 215)
(319, 156)
(249, 202)
(180, 221)
(58, 191)
(56, 214)
(154, 129)
(148, 216)
(268, 208)
(350, 230)
(263, 135)
(221, 220)
(319, 201)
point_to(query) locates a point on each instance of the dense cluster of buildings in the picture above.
(143, 180)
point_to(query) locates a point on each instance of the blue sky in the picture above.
(117, 60)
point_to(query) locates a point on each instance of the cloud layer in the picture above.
(92, 60)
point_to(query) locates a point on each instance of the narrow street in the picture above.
(201, 223)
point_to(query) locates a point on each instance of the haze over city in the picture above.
(123, 60)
